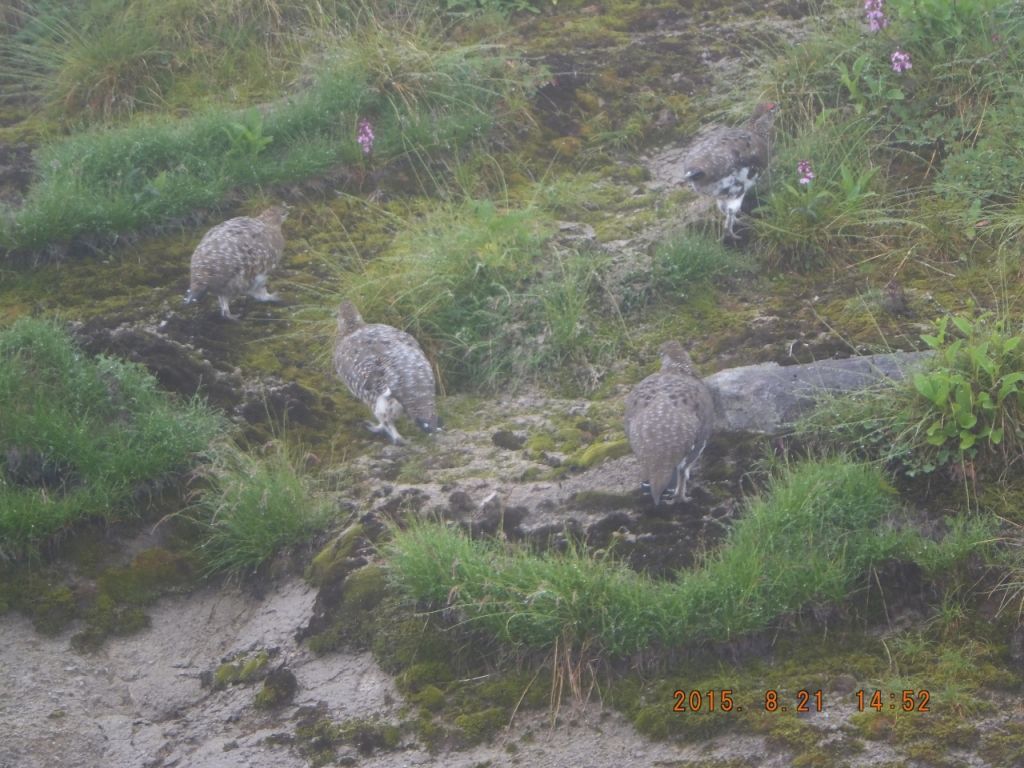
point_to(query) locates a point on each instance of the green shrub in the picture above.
(250, 507)
(81, 436)
(967, 404)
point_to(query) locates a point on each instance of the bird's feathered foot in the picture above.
(385, 429)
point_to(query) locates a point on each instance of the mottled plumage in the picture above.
(726, 162)
(234, 259)
(386, 369)
(668, 422)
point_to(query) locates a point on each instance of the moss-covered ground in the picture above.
(596, 89)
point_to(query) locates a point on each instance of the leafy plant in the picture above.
(246, 136)
(965, 406)
(940, 25)
(976, 390)
(801, 223)
(868, 84)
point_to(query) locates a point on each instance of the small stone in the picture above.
(460, 502)
(508, 440)
(279, 688)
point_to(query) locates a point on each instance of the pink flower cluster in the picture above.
(875, 15)
(805, 171)
(900, 61)
(364, 136)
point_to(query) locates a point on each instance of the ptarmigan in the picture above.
(668, 422)
(726, 162)
(386, 369)
(235, 257)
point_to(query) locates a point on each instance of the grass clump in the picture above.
(812, 537)
(81, 436)
(459, 281)
(690, 259)
(253, 506)
(492, 298)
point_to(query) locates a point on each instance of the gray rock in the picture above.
(768, 398)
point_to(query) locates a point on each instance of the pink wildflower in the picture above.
(364, 136)
(900, 61)
(805, 171)
(875, 15)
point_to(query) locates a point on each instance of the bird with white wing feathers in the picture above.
(386, 369)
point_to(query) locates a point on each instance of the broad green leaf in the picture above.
(964, 325)
(1009, 384)
(924, 385)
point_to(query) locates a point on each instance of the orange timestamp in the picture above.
(908, 700)
(720, 700)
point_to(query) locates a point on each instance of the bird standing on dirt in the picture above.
(668, 422)
(235, 257)
(386, 369)
(726, 162)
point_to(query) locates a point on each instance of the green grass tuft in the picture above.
(688, 260)
(812, 537)
(80, 436)
(251, 507)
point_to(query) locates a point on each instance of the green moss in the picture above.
(538, 445)
(1004, 746)
(596, 453)
(244, 670)
(153, 572)
(418, 676)
(108, 617)
(481, 726)
(652, 721)
(330, 564)
(430, 697)
(319, 740)
(53, 610)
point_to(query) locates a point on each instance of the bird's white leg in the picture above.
(681, 488)
(684, 469)
(259, 289)
(732, 209)
(225, 309)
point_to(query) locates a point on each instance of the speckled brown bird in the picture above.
(386, 369)
(235, 257)
(668, 422)
(726, 162)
